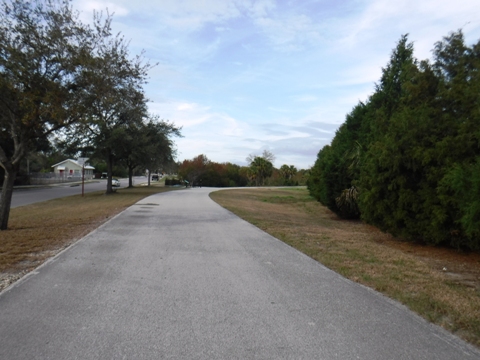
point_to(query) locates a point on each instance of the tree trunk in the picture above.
(6, 200)
(109, 174)
(130, 176)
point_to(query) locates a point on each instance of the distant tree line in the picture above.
(200, 171)
(408, 159)
(75, 85)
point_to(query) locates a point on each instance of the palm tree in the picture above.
(261, 169)
(288, 171)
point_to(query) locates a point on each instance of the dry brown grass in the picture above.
(39, 231)
(442, 285)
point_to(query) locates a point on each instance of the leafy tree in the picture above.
(146, 145)
(232, 175)
(192, 170)
(215, 175)
(42, 55)
(288, 172)
(202, 172)
(266, 154)
(158, 148)
(261, 169)
(114, 98)
(301, 177)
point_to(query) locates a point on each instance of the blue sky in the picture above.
(242, 76)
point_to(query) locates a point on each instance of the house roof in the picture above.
(75, 162)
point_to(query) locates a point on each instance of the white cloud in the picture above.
(190, 15)
(291, 32)
(431, 19)
(291, 135)
(87, 8)
(184, 114)
(238, 66)
(197, 118)
(258, 9)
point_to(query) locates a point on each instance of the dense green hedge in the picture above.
(412, 151)
(173, 182)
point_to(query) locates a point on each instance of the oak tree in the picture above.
(43, 46)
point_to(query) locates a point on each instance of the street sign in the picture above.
(82, 160)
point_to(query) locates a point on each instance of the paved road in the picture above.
(177, 277)
(26, 196)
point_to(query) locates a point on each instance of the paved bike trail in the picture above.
(176, 276)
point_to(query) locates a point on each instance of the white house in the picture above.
(72, 169)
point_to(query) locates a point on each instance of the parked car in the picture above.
(155, 177)
(115, 182)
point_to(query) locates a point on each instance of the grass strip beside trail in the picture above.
(38, 231)
(441, 285)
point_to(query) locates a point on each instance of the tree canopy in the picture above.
(62, 78)
(42, 49)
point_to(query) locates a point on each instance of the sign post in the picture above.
(82, 162)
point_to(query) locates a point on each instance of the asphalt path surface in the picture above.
(30, 195)
(176, 276)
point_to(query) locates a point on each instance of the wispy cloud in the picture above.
(290, 33)
(87, 7)
(241, 76)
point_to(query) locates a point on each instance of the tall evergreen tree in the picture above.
(381, 173)
(413, 151)
(458, 68)
(338, 165)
